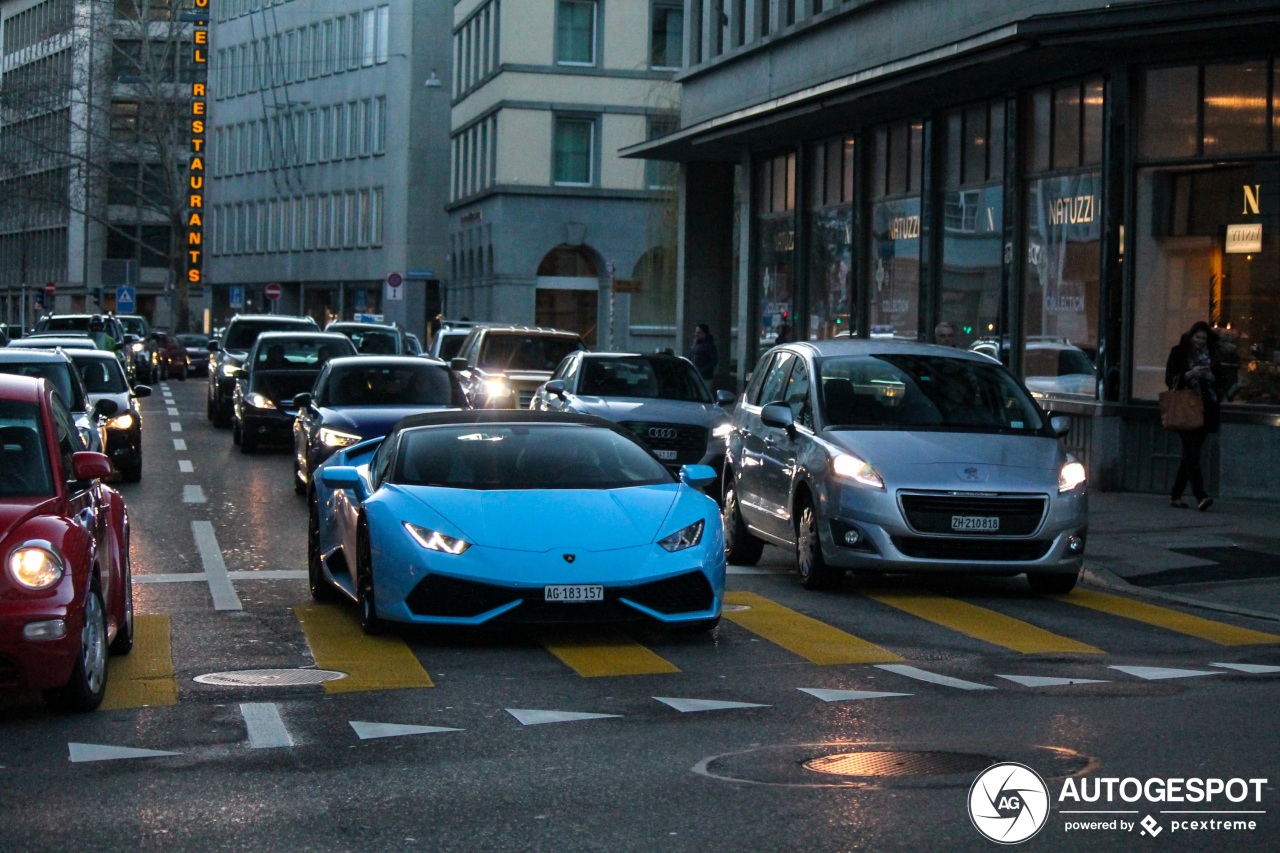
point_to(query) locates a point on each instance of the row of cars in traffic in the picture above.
(538, 457)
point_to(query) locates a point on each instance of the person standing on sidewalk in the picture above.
(703, 352)
(1194, 363)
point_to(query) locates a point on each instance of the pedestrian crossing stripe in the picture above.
(982, 624)
(1173, 620)
(144, 678)
(371, 663)
(606, 652)
(816, 642)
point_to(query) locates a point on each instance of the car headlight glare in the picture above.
(259, 401)
(35, 567)
(1071, 475)
(850, 467)
(334, 438)
(685, 538)
(137, 347)
(722, 431)
(434, 540)
(124, 421)
(496, 388)
(227, 369)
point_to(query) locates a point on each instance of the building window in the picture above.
(574, 151)
(830, 220)
(660, 174)
(576, 32)
(775, 204)
(897, 158)
(667, 38)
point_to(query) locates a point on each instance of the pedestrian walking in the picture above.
(944, 334)
(703, 352)
(1195, 363)
(783, 336)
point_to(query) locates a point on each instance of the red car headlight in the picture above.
(36, 565)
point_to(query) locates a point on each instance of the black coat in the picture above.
(1175, 370)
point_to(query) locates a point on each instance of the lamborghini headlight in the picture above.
(1071, 475)
(259, 401)
(124, 421)
(851, 467)
(334, 438)
(434, 540)
(35, 566)
(684, 538)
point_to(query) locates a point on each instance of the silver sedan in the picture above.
(897, 457)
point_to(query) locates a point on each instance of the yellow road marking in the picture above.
(605, 652)
(1162, 617)
(803, 635)
(371, 663)
(982, 624)
(144, 678)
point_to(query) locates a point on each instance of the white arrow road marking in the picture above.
(536, 718)
(179, 444)
(192, 495)
(185, 466)
(1046, 681)
(1254, 668)
(266, 729)
(224, 594)
(686, 706)
(932, 677)
(369, 731)
(846, 695)
(82, 752)
(1156, 673)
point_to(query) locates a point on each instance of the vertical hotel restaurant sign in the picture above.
(195, 169)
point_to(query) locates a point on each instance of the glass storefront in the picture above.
(776, 244)
(897, 156)
(829, 218)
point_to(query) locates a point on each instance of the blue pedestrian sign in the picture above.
(237, 297)
(125, 302)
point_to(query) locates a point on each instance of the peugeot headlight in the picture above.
(259, 401)
(851, 467)
(1071, 475)
(686, 538)
(434, 540)
(124, 421)
(722, 431)
(497, 387)
(35, 566)
(334, 438)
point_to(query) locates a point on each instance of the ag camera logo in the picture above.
(1009, 802)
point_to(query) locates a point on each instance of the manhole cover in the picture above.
(270, 677)
(899, 763)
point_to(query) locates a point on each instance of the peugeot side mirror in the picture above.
(777, 415)
(555, 386)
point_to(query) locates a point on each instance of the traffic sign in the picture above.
(237, 297)
(50, 287)
(125, 299)
(273, 291)
(394, 279)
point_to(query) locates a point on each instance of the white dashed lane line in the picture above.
(215, 570)
(185, 466)
(192, 495)
(179, 444)
(173, 412)
(174, 426)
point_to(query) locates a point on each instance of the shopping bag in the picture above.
(1181, 410)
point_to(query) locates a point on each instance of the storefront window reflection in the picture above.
(776, 227)
(894, 257)
(830, 229)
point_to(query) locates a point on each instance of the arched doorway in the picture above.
(568, 294)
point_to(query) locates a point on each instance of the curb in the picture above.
(1107, 579)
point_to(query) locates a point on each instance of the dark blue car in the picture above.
(362, 397)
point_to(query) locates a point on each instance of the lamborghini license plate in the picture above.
(573, 593)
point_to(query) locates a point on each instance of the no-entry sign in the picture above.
(273, 291)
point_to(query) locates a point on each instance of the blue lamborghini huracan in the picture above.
(472, 517)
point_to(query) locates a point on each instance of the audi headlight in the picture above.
(851, 467)
(434, 540)
(124, 421)
(334, 438)
(494, 388)
(259, 401)
(35, 567)
(1071, 475)
(681, 539)
(722, 431)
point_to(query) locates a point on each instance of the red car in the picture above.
(169, 361)
(65, 593)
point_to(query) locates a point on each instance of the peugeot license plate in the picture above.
(573, 593)
(669, 455)
(975, 522)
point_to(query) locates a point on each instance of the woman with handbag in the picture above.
(1193, 364)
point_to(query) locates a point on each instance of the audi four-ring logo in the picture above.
(662, 432)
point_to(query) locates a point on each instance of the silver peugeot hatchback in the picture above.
(901, 457)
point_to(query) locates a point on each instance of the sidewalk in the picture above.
(1226, 559)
